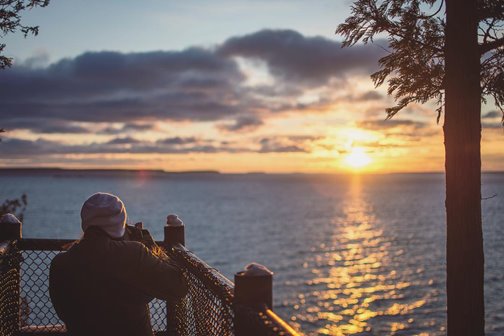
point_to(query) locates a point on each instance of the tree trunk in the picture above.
(462, 132)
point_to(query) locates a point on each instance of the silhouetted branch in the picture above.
(487, 198)
(491, 9)
(433, 14)
(10, 22)
(486, 47)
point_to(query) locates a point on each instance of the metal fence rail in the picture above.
(208, 309)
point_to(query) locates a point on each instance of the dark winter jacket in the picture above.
(102, 286)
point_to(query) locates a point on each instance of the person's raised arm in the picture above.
(157, 276)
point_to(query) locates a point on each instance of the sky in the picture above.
(234, 86)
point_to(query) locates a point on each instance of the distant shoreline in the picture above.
(17, 171)
(100, 172)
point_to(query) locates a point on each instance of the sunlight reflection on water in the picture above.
(355, 278)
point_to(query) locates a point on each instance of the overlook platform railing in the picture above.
(214, 306)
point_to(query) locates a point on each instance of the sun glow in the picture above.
(357, 158)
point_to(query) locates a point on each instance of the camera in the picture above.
(138, 233)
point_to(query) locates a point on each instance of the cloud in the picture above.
(291, 56)
(290, 144)
(401, 130)
(382, 124)
(195, 84)
(13, 147)
(123, 141)
(44, 126)
(177, 141)
(488, 123)
(369, 96)
(242, 124)
(128, 128)
(492, 115)
(492, 125)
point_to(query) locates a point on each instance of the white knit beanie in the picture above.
(105, 211)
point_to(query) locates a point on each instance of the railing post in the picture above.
(173, 234)
(252, 292)
(10, 232)
(174, 231)
(10, 228)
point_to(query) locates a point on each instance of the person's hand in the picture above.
(138, 233)
(134, 233)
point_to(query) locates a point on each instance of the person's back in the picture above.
(102, 285)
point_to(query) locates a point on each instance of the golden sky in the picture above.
(261, 94)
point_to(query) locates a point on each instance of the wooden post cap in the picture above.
(254, 286)
(173, 220)
(10, 227)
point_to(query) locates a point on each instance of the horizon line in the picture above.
(210, 171)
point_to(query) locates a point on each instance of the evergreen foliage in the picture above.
(10, 22)
(415, 64)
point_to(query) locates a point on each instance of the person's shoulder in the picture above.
(128, 248)
(59, 260)
(126, 244)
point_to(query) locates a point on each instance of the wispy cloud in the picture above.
(242, 123)
(287, 144)
(383, 124)
(492, 115)
(15, 147)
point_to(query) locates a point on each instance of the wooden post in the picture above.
(174, 231)
(10, 232)
(174, 234)
(10, 227)
(252, 293)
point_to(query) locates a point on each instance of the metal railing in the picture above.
(213, 305)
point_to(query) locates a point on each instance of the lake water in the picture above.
(352, 255)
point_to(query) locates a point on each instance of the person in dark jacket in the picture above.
(102, 285)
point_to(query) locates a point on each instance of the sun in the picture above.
(357, 158)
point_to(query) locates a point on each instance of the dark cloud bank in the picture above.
(195, 84)
(18, 148)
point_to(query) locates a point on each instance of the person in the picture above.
(102, 285)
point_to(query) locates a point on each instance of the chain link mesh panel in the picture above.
(9, 289)
(36, 310)
(207, 310)
(158, 315)
(37, 313)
